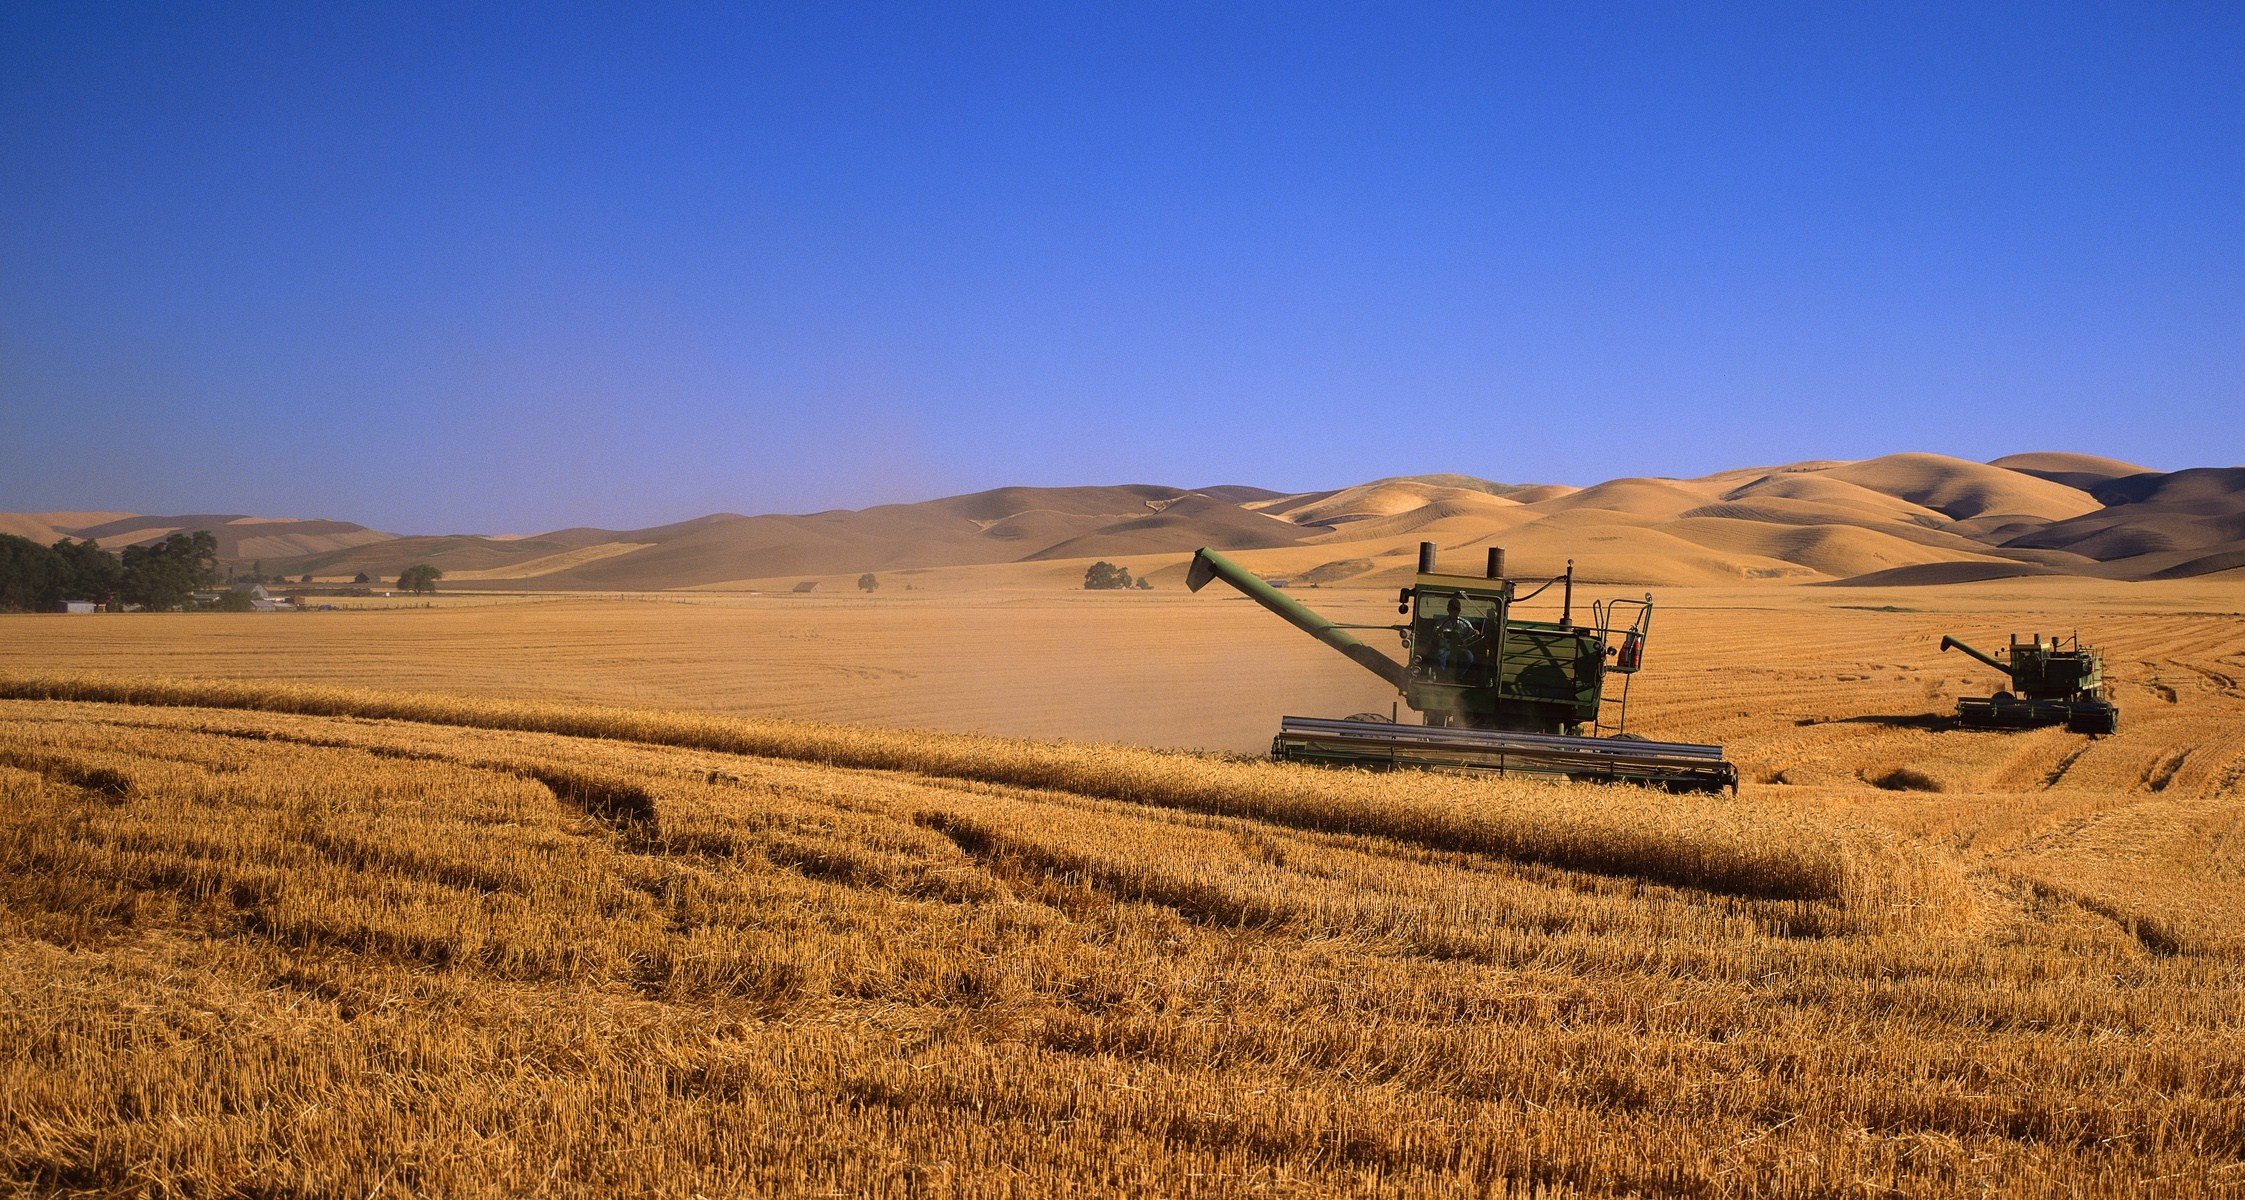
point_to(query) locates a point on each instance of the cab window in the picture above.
(1434, 605)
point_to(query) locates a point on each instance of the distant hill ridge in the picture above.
(1901, 518)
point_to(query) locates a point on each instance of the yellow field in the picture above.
(492, 937)
(1169, 668)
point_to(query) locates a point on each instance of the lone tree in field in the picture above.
(362, 577)
(1105, 576)
(866, 582)
(419, 579)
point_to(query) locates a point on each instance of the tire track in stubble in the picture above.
(2066, 764)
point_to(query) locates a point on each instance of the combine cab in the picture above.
(1496, 692)
(2052, 683)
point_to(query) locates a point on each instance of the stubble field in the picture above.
(502, 936)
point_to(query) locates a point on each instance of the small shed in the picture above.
(80, 606)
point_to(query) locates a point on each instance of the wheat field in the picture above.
(278, 938)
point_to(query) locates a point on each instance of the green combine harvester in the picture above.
(2052, 683)
(1495, 691)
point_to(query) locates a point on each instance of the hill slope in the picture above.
(1912, 516)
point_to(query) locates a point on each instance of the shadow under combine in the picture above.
(1927, 721)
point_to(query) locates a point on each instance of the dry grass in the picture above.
(260, 938)
(482, 948)
(1159, 668)
(1707, 842)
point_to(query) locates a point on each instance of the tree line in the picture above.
(158, 575)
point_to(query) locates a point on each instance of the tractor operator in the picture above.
(1454, 638)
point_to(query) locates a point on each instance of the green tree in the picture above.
(362, 577)
(165, 575)
(234, 600)
(31, 575)
(420, 579)
(866, 582)
(89, 572)
(1106, 576)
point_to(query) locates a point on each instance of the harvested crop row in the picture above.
(311, 955)
(1718, 844)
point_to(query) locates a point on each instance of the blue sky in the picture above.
(508, 268)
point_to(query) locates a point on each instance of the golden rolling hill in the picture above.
(1897, 519)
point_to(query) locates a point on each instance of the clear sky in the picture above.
(503, 268)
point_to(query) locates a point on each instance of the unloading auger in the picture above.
(1495, 692)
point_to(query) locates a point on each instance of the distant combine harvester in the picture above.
(2051, 684)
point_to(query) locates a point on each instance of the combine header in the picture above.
(2051, 684)
(1496, 692)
